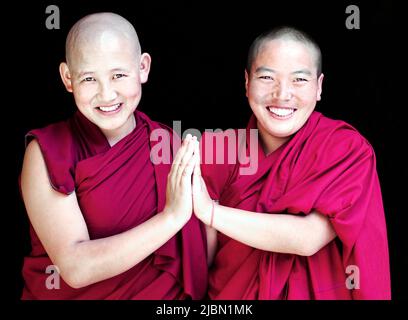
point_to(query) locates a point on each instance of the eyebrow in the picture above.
(81, 74)
(263, 69)
(120, 70)
(302, 71)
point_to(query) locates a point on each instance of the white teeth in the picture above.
(109, 109)
(281, 112)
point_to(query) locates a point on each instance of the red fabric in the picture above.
(117, 188)
(326, 166)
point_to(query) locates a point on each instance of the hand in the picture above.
(202, 201)
(178, 192)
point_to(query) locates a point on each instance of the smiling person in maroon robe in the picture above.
(309, 222)
(103, 224)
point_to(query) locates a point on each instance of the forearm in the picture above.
(282, 233)
(96, 260)
(91, 261)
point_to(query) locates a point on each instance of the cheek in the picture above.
(256, 94)
(83, 95)
(307, 96)
(131, 90)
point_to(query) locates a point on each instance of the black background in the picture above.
(198, 58)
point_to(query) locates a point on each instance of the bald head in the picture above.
(287, 34)
(100, 29)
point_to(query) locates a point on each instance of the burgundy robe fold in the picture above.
(326, 166)
(117, 188)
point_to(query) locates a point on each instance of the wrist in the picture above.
(173, 220)
(207, 215)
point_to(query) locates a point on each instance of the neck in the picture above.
(270, 143)
(114, 136)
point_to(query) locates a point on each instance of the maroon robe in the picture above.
(117, 188)
(326, 166)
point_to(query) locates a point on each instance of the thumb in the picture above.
(197, 168)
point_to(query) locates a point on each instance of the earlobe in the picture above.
(65, 76)
(145, 62)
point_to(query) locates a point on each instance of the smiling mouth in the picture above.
(281, 112)
(109, 109)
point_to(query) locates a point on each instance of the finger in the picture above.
(186, 179)
(196, 181)
(197, 167)
(172, 177)
(188, 170)
(185, 159)
(179, 155)
(197, 170)
(182, 149)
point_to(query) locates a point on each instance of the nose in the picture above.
(106, 92)
(283, 90)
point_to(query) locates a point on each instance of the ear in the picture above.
(319, 87)
(65, 76)
(246, 82)
(145, 61)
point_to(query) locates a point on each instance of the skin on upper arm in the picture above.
(55, 217)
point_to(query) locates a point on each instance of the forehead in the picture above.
(284, 53)
(105, 51)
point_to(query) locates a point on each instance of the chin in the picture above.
(280, 134)
(282, 131)
(109, 126)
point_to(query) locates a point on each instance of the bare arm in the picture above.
(282, 233)
(59, 224)
(274, 232)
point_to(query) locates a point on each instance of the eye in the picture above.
(266, 77)
(88, 79)
(119, 75)
(300, 80)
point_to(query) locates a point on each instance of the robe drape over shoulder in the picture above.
(326, 166)
(117, 188)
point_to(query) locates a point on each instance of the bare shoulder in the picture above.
(55, 217)
(34, 169)
(33, 151)
(37, 190)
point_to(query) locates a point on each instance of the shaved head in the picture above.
(100, 29)
(289, 34)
